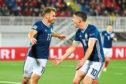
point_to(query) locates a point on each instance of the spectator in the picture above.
(1, 3)
(92, 7)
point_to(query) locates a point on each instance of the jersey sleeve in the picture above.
(35, 26)
(102, 33)
(93, 34)
(115, 35)
(76, 38)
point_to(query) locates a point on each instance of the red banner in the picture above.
(119, 52)
(13, 53)
(60, 51)
(19, 53)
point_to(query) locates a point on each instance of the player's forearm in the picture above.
(31, 34)
(87, 54)
(91, 44)
(54, 34)
(68, 53)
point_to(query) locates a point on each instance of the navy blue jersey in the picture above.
(107, 39)
(41, 49)
(84, 36)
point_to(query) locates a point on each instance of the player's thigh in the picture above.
(107, 58)
(79, 76)
(35, 77)
(88, 80)
(95, 70)
(40, 66)
(28, 66)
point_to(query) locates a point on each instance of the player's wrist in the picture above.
(31, 38)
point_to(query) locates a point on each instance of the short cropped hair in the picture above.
(109, 24)
(81, 14)
(48, 10)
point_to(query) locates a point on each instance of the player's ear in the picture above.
(46, 16)
(79, 20)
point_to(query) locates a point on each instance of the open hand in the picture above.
(57, 61)
(80, 64)
(33, 41)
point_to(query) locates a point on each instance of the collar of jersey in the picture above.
(84, 29)
(44, 24)
(109, 32)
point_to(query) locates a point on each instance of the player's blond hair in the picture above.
(48, 10)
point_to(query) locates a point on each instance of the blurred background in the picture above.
(17, 17)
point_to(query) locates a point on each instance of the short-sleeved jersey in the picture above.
(91, 32)
(107, 39)
(41, 49)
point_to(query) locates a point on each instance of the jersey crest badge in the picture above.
(86, 36)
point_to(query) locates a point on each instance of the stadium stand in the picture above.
(17, 17)
(13, 30)
(64, 7)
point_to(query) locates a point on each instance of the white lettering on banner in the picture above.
(13, 53)
(119, 52)
(76, 56)
(59, 52)
(52, 53)
(4, 53)
(22, 54)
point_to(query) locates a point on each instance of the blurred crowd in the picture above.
(64, 9)
(104, 7)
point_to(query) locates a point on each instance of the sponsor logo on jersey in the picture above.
(92, 34)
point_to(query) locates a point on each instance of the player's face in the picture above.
(76, 21)
(109, 28)
(52, 17)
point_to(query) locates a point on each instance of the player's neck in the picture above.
(109, 31)
(46, 22)
(83, 26)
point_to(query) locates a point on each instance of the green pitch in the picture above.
(11, 73)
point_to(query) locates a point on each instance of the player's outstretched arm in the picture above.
(68, 53)
(31, 35)
(60, 36)
(91, 44)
